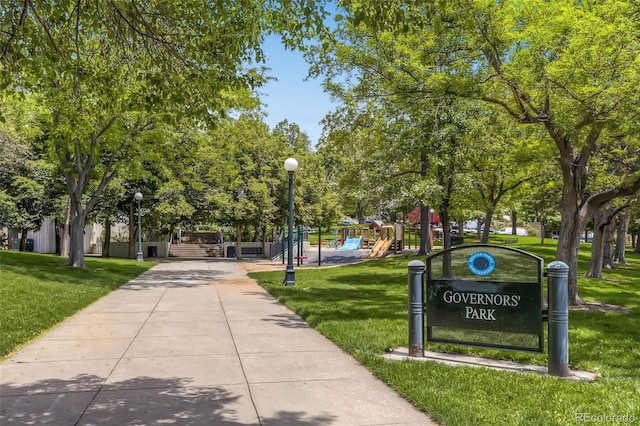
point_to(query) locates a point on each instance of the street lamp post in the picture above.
(138, 197)
(290, 165)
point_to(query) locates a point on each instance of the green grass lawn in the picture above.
(38, 291)
(363, 309)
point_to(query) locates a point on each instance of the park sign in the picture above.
(485, 295)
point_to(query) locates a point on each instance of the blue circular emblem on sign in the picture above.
(481, 263)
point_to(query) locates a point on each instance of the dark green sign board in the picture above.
(485, 295)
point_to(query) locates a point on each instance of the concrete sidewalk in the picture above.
(192, 343)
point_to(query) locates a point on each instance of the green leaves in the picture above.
(106, 73)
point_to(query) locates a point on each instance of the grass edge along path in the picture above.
(363, 309)
(38, 291)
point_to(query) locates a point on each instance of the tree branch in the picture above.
(45, 28)
(107, 176)
(107, 126)
(602, 198)
(506, 107)
(23, 16)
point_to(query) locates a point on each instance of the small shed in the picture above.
(376, 224)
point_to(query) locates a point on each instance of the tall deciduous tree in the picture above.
(108, 70)
(315, 201)
(245, 174)
(27, 182)
(427, 142)
(571, 69)
(502, 160)
(603, 237)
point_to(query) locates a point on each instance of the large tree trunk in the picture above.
(264, 241)
(425, 223)
(446, 231)
(514, 222)
(106, 244)
(574, 219)
(76, 241)
(603, 238)
(609, 239)
(446, 239)
(576, 207)
(425, 228)
(66, 233)
(568, 253)
(621, 241)
(488, 217)
(23, 239)
(597, 245)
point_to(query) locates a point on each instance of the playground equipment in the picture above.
(348, 238)
(388, 236)
(351, 243)
(380, 248)
(366, 235)
(376, 236)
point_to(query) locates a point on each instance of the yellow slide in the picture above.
(384, 248)
(380, 248)
(375, 248)
(383, 243)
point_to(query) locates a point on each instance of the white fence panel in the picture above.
(44, 240)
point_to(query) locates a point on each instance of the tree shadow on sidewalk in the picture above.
(87, 400)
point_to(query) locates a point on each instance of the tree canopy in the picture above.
(106, 72)
(569, 69)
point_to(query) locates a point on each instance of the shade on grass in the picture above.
(38, 291)
(364, 310)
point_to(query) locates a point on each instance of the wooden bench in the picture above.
(511, 241)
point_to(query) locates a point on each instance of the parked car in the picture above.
(588, 238)
(472, 226)
(521, 231)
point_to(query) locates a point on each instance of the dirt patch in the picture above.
(599, 307)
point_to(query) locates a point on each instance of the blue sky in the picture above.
(291, 97)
